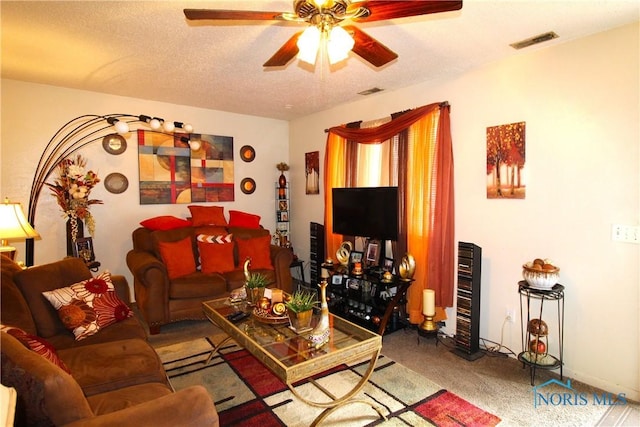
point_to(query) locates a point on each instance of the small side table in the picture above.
(540, 361)
(428, 335)
(297, 263)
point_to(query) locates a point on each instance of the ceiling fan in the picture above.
(325, 20)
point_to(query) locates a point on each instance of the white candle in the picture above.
(429, 302)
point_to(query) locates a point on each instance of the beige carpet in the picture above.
(498, 384)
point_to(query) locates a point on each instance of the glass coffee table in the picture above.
(289, 356)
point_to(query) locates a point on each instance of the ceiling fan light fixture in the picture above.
(308, 44)
(339, 44)
(320, 4)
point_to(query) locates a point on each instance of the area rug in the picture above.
(246, 393)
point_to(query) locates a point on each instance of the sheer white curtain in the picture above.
(373, 160)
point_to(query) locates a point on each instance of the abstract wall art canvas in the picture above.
(171, 172)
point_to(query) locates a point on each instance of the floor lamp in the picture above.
(77, 133)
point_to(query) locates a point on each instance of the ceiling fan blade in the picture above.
(285, 54)
(370, 49)
(380, 10)
(237, 15)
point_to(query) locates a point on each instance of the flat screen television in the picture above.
(366, 212)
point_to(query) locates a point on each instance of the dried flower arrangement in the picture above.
(71, 189)
(282, 166)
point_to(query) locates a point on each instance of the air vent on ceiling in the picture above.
(370, 91)
(534, 40)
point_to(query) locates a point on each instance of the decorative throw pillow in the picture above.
(37, 344)
(243, 219)
(207, 215)
(216, 253)
(178, 257)
(258, 250)
(165, 222)
(88, 306)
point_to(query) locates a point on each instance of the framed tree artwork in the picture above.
(312, 172)
(506, 161)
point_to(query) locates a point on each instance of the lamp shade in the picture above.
(308, 44)
(339, 44)
(14, 224)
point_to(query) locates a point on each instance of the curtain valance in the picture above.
(383, 132)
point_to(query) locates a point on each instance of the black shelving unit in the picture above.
(468, 301)
(316, 252)
(368, 300)
(283, 206)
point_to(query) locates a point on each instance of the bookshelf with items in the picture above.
(283, 231)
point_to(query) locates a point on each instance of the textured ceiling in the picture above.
(148, 50)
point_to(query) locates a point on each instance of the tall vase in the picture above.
(282, 180)
(75, 230)
(320, 334)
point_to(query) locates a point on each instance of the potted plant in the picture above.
(300, 310)
(255, 283)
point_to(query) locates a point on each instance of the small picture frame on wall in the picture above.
(83, 248)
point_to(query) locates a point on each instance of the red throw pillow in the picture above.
(88, 306)
(216, 253)
(165, 222)
(207, 215)
(258, 250)
(178, 257)
(37, 344)
(243, 219)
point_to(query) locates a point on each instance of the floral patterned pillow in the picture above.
(37, 344)
(88, 306)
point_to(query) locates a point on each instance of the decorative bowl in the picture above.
(540, 279)
(265, 316)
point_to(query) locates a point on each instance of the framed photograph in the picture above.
(353, 284)
(388, 265)
(355, 256)
(283, 216)
(283, 205)
(373, 251)
(83, 248)
(337, 279)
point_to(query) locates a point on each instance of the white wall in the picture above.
(580, 102)
(32, 113)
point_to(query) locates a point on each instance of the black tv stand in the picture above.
(367, 300)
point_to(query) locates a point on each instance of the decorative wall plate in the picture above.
(248, 185)
(116, 183)
(114, 143)
(247, 153)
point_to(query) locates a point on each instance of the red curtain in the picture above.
(439, 247)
